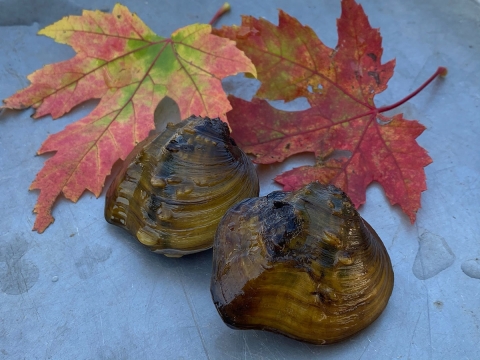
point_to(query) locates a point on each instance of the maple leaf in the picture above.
(354, 143)
(122, 62)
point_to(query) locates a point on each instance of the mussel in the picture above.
(174, 187)
(303, 264)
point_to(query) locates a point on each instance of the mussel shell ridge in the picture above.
(303, 264)
(174, 187)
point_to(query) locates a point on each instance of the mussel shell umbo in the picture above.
(174, 187)
(303, 264)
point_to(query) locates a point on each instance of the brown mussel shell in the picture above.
(303, 264)
(175, 187)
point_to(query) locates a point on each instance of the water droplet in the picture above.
(472, 268)
(345, 258)
(326, 293)
(164, 213)
(123, 200)
(330, 238)
(202, 181)
(184, 191)
(54, 278)
(158, 181)
(433, 256)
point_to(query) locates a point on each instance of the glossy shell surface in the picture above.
(174, 187)
(303, 264)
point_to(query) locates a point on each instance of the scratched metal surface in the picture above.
(87, 290)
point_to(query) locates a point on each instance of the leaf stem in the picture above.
(225, 8)
(442, 71)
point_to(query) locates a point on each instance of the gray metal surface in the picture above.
(87, 290)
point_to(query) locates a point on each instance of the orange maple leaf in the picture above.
(122, 62)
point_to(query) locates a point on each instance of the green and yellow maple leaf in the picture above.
(130, 69)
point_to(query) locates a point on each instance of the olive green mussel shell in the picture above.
(175, 187)
(303, 264)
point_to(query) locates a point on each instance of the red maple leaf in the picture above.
(353, 142)
(122, 62)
